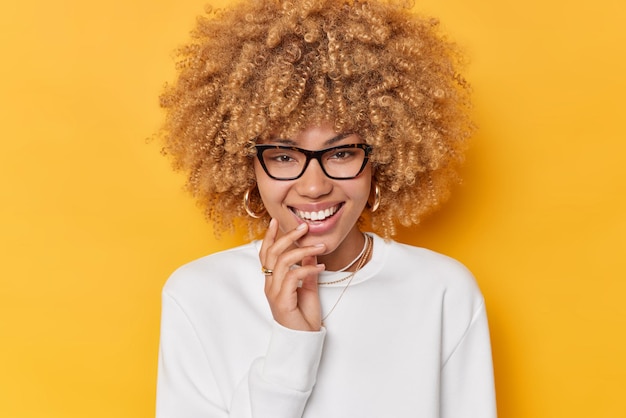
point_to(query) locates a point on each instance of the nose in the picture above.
(314, 182)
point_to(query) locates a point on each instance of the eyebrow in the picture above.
(328, 142)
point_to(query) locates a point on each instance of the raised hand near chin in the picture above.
(292, 293)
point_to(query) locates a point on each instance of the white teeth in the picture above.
(317, 216)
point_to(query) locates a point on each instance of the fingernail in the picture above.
(301, 227)
(320, 245)
(321, 266)
(272, 222)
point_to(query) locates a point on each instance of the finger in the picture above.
(296, 255)
(310, 281)
(277, 246)
(284, 298)
(289, 286)
(268, 240)
(287, 240)
(284, 265)
(308, 294)
(273, 245)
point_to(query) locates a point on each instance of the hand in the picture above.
(292, 293)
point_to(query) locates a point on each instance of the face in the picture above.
(336, 205)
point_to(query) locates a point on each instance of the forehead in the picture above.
(296, 127)
(314, 137)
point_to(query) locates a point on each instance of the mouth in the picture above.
(316, 216)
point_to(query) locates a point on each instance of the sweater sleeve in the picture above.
(277, 385)
(467, 387)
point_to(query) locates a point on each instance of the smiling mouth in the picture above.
(317, 216)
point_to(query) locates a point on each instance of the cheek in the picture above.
(361, 190)
(258, 170)
(272, 192)
(262, 181)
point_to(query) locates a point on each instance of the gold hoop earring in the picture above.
(376, 203)
(246, 205)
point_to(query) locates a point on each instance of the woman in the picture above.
(311, 120)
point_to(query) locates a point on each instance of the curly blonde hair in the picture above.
(276, 67)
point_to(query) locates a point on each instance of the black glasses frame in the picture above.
(310, 155)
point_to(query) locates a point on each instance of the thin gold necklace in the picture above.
(357, 259)
(369, 245)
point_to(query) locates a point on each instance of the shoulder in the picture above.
(442, 280)
(220, 268)
(444, 283)
(424, 264)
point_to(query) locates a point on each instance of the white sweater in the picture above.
(409, 338)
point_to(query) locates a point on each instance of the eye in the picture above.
(280, 156)
(284, 158)
(341, 154)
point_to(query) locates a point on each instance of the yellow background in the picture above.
(93, 220)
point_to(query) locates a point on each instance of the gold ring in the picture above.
(266, 271)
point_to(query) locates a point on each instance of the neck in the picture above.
(343, 258)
